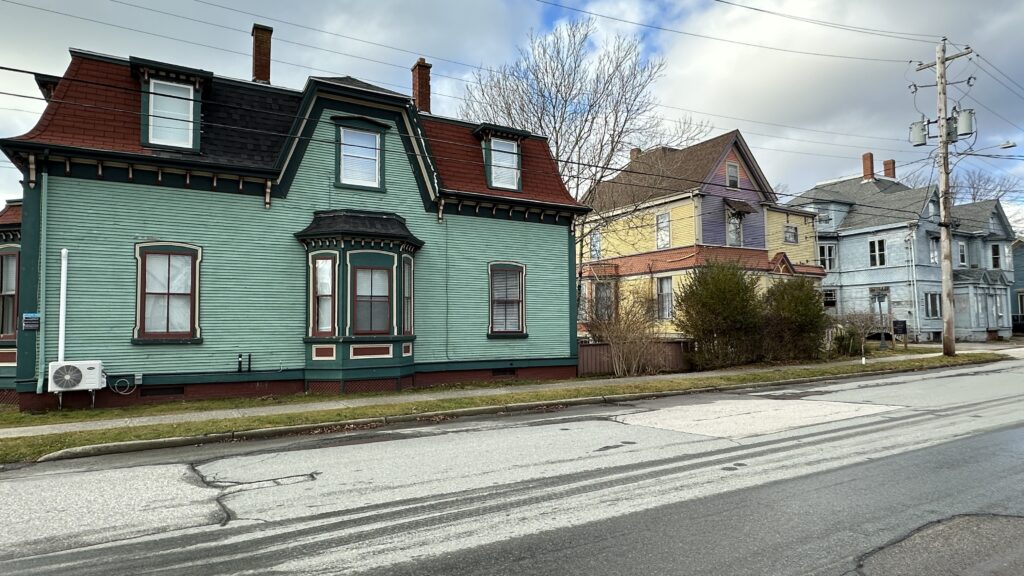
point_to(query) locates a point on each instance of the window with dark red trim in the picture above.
(506, 299)
(324, 285)
(407, 295)
(372, 301)
(8, 295)
(168, 295)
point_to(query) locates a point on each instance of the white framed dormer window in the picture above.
(662, 233)
(504, 163)
(732, 175)
(171, 114)
(962, 253)
(876, 252)
(359, 157)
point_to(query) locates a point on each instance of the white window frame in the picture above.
(728, 178)
(664, 299)
(876, 251)
(827, 261)
(962, 253)
(514, 185)
(375, 183)
(933, 305)
(153, 95)
(662, 234)
(729, 216)
(595, 244)
(785, 234)
(835, 298)
(934, 250)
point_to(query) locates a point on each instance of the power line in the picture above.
(717, 39)
(847, 27)
(463, 80)
(442, 94)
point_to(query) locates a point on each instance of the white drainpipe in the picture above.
(63, 303)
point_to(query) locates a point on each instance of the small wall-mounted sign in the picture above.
(30, 321)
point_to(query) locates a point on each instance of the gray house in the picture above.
(878, 241)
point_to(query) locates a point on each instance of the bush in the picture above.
(630, 333)
(719, 308)
(794, 321)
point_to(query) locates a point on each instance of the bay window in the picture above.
(324, 298)
(8, 295)
(407, 296)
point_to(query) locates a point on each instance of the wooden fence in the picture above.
(673, 356)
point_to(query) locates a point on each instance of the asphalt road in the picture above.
(894, 476)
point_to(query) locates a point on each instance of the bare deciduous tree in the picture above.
(594, 102)
(630, 331)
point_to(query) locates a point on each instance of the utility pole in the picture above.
(945, 198)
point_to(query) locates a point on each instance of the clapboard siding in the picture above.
(713, 208)
(253, 272)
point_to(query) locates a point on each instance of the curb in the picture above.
(278, 431)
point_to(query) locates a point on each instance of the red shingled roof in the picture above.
(11, 214)
(459, 159)
(686, 257)
(70, 121)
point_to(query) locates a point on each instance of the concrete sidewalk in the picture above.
(414, 396)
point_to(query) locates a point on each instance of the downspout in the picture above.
(41, 358)
(61, 322)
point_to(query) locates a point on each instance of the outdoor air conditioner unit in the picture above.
(71, 376)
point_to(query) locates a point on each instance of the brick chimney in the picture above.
(889, 168)
(868, 160)
(634, 153)
(261, 53)
(421, 85)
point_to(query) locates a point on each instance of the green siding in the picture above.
(253, 272)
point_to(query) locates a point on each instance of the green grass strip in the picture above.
(29, 448)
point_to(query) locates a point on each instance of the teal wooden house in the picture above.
(224, 237)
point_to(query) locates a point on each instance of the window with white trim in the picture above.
(933, 305)
(732, 175)
(407, 296)
(507, 299)
(997, 256)
(170, 114)
(595, 244)
(665, 298)
(662, 234)
(504, 163)
(324, 305)
(933, 250)
(962, 252)
(790, 235)
(733, 228)
(8, 295)
(828, 298)
(359, 157)
(827, 256)
(876, 252)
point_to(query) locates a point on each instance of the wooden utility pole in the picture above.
(945, 199)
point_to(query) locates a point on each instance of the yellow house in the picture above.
(670, 210)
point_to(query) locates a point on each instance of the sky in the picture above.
(808, 118)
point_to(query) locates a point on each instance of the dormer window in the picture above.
(360, 158)
(171, 116)
(504, 163)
